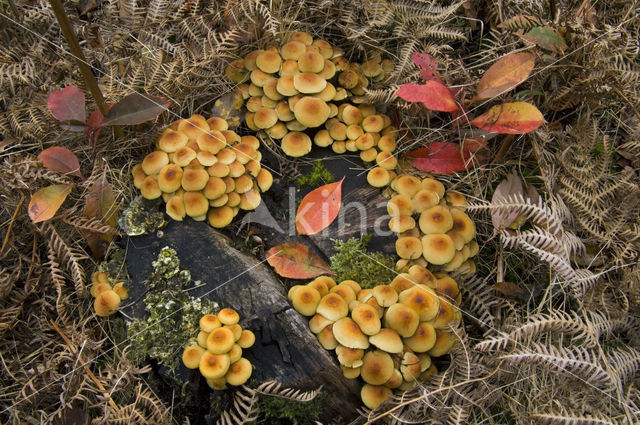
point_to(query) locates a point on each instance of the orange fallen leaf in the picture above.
(319, 208)
(433, 94)
(296, 261)
(60, 159)
(45, 203)
(504, 75)
(510, 118)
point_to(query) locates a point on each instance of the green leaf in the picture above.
(547, 38)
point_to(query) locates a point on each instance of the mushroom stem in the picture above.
(86, 368)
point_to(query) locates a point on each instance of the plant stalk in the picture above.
(81, 61)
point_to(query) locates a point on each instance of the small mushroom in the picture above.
(191, 356)
(239, 372)
(377, 367)
(436, 219)
(213, 365)
(387, 340)
(438, 249)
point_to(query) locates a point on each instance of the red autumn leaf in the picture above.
(67, 104)
(94, 124)
(510, 118)
(445, 157)
(45, 203)
(296, 261)
(319, 208)
(547, 38)
(428, 66)
(60, 159)
(504, 75)
(134, 109)
(433, 94)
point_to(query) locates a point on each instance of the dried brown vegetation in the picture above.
(569, 353)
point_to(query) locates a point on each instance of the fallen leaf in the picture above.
(94, 124)
(67, 104)
(547, 38)
(511, 185)
(510, 118)
(100, 203)
(45, 202)
(428, 66)
(296, 261)
(504, 75)
(433, 94)
(319, 208)
(134, 109)
(60, 159)
(446, 157)
(511, 290)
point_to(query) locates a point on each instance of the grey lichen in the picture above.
(173, 315)
(142, 216)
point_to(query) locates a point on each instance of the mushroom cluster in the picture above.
(218, 352)
(443, 235)
(203, 170)
(300, 86)
(107, 297)
(386, 335)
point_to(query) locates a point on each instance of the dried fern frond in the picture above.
(274, 389)
(244, 410)
(569, 417)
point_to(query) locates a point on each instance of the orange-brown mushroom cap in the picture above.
(401, 318)
(191, 356)
(220, 340)
(106, 303)
(377, 367)
(209, 322)
(296, 144)
(228, 316)
(214, 365)
(438, 249)
(387, 340)
(348, 333)
(239, 372)
(311, 111)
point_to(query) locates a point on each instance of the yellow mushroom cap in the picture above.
(448, 288)
(366, 141)
(311, 111)
(350, 372)
(402, 281)
(318, 322)
(326, 338)
(247, 339)
(214, 365)
(395, 381)
(456, 199)
(407, 185)
(122, 292)
(425, 199)
(377, 367)
(372, 123)
(138, 175)
(268, 61)
(209, 322)
(235, 353)
(410, 366)
(99, 287)
(328, 72)
(270, 89)
(250, 200)
(243, 184)
(217, 123)
(369, 155)
(409, 247)
(220, 217)
(320, 286)
(348, 79)
(296, 144)
(311, 61)
(236, 329)
(193, 126)
(457, 238)
(220, 340)
(195, 204)
(239, 372)
(228, 316)
(438, 249)
(305, 300)
(333, 307)
(374, 395)
(350, 115)
(378, 177)
(175, 208)
(106, 303)
(150, 188)
(387, 340)
(446, 314)
(293, 50)
(289, 68)
(385, 295)
(349, 357)
(206, 159)
(463, 225)
(422, 275)
(171, 140)
(401, 318)
(423, 339)
(433, 185)
(308, 83)
(422, 299)
(387, 144)
(328, 280)
(250, 60)
(214, 188)
(202, 338)
(265, 118)
(301, 36)
(264, 180)
(401, 223)
(367, 319)
(217, 383)
(218, 170)
(153, 162)
(324, 48)
(170, 178)
(348, 333)
(191, 356)
(352, 284)
(436, 219)
(399, 205)
(444, 343)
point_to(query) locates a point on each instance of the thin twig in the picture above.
(504, 147)
(86, 368)
(81, 61)
(13, 219)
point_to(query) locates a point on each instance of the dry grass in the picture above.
(568, 354)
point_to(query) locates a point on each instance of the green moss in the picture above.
(275, 410)
(173, 315)
(353, 261)
(318, 176)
